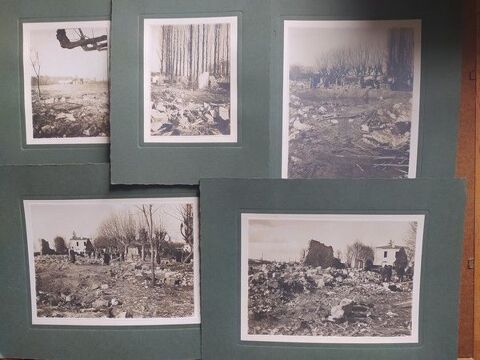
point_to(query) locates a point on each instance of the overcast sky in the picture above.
(284, 239)
(57, 61)
(307, 44)
(60, 219)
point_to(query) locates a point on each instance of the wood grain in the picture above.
(466, 168)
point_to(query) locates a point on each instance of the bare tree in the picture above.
(186, 227)
(118, 230)
(147, 212)
(401, 58)
(189, 50)
(198, 51)
(101, 241)
(160, 234)
(359, 61)
(35, 61)
(87, 43)
(143, 239)
(411, 240)
(359, 251)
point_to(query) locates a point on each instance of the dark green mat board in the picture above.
(18, 337)
(260, 37)
(136, 162)
(222, 202)
(13, 146)
(440, 70)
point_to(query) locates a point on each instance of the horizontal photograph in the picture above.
(190, 80)
(330, 278)
(351, 98)
(66, 86)
(113, 261)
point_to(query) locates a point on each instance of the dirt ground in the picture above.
(349, 132)
(177, 110)
(71, 110)
(89, 289)
(308, 312)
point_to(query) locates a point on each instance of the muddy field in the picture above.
(291, 299)
(71, 110)
(88, 289)
(177, 110)
(346, 131)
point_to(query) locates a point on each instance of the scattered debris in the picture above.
(84, 112)
(338, 132)
(177, 110)
(341, 311)
(88, 288)
(291, 298)
(100, 303)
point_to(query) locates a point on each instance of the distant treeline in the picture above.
(365, 65)
(49, 80)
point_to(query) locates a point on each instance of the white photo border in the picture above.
(27, 27)
(415, 24)
(233, 136)
(410, 339)
(191, 320)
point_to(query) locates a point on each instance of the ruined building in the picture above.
(318, 254)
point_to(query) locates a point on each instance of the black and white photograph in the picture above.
(351, 98)
(65, 77)
(330, 278)
(190, 80)
(113, 261)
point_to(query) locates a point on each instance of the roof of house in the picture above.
(79, 239)
(386, 247)
(138, 244)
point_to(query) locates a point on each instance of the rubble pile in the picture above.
(48, 259)
(349, 132)
(163, 277)
(349, 310)
(280, 282)
(88, 288)
(294, 299)
(63, 259)
(63, 116)
(271, 283)
(176, 112)
(386, 127)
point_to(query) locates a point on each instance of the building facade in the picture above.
(80, 245)
(386, 255)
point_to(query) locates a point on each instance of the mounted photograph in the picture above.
(351, 98)
(331, 278)
(65, 78)
(113, 261)
(190, 80)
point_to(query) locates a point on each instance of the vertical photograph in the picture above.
(113, 261)
(351, 99)
(190, 80)
(325, 278)
(65, 76)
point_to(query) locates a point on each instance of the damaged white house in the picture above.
(385, 255)
(80, 245)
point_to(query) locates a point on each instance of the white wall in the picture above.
(80, 248)
(380, 259)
